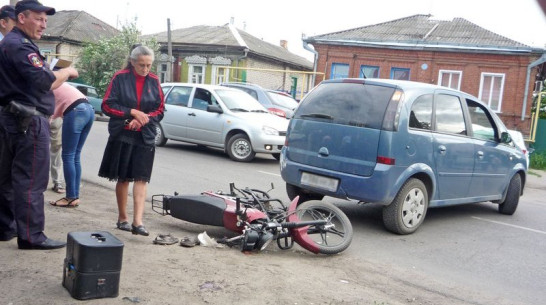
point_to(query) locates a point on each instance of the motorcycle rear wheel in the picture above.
(336, 235)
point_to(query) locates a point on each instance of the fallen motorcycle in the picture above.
(317, 226)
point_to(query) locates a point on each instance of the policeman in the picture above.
(26, 102)
(7, 20)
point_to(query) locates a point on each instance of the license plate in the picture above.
(329, 184)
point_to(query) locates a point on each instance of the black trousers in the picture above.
(24, 175)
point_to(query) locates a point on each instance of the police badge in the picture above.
(35, 60)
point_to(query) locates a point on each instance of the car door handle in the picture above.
(480, 154)
(442, 149)
(191, 114)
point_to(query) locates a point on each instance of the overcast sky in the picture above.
(519, 20)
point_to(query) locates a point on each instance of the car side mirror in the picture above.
(505, 137)
(214, 108)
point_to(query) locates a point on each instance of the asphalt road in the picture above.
(469, 247)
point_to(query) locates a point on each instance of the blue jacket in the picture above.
(121, 97)
(24, 74)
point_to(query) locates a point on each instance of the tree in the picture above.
(100, 60)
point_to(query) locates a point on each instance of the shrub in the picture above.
(537, 160)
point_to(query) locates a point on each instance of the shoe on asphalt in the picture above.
(58, 188)
(47, 244)
(124, 226)
(165, 239)
(139, 230)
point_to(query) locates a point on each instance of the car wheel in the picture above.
(408, 209)
(276, 156)
(293, 191)
(510, 204)
(239, 148)
(160, 139)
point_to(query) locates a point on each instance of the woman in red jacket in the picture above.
(134, 102)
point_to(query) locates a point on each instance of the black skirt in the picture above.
(127, 158)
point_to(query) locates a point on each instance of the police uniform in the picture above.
(24, 156)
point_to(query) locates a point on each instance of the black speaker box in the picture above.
(92, 265)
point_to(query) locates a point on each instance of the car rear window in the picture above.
(354, 104)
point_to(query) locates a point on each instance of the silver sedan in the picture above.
(220, 117)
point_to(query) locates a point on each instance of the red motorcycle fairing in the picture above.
(230, 217)
(300, 234)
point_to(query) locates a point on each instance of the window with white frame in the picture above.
(339, 71)
(450, 79)
(491, 90)
(197, 74)
(219, 75)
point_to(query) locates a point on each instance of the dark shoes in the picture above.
(47, 244)
(139, 230)
(124, 226)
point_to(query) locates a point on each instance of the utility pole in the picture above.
(169, 52)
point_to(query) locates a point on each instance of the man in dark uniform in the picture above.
(26, 102)
(7, 20)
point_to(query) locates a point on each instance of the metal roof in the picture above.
(224, 36)
(77, 26)
(423, 31)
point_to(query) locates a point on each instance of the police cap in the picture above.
(7, 11)
(34, 6)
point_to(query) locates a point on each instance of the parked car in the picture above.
(222, 117)
(406, 145)
(517, 137)
(91, 93)
(277, 104)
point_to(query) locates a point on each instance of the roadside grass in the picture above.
(537, 160)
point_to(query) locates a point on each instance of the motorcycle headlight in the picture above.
(270, 131)
(264, 240)
(249, 240)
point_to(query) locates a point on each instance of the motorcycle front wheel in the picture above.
(333, 237)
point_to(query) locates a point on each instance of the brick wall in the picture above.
(472, 65)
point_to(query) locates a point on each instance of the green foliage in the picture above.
(99, 61)
(537, 160)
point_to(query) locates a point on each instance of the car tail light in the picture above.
(385, 160)
(277, 111)
(390, 121)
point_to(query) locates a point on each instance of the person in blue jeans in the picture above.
(78, 116)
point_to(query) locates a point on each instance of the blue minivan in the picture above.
(406, 145)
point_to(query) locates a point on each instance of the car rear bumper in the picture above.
(375, 188)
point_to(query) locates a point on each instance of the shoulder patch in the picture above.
(25, 40)
(35, 60)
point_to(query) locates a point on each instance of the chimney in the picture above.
(232, 20)
(284, 44)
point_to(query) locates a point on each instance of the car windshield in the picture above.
(347, 103)
(236, 100)
(92, 92)
(282, 100)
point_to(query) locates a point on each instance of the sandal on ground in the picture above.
(165, 239)
(66, 202)
(188, 241)
(124, 226)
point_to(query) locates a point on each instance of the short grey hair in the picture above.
(141, 51)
